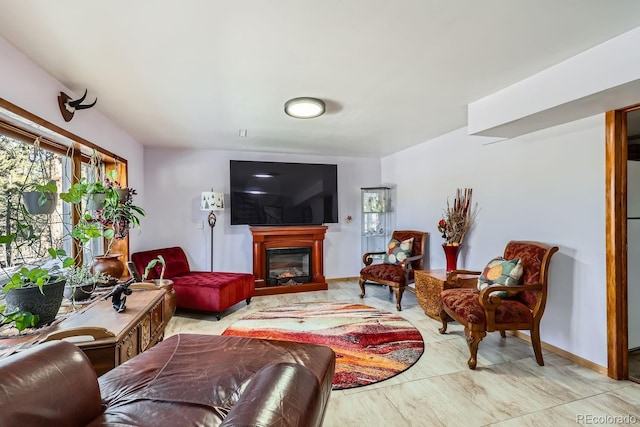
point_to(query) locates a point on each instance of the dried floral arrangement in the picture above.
(458, 218)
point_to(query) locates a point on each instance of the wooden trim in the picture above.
(563, 353)
(73, 150)
(616, 243)
(44, 123)
(342, 279)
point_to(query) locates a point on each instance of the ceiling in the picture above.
(193, 73)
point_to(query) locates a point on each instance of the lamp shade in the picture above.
(211, 201)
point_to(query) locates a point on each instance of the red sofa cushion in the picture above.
(464, 303)
(217, 291)
(174, 257)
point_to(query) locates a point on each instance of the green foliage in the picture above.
(24, 278)
(153, 263)
(21, 320)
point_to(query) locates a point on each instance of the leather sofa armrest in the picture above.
(51, 384)
(280, 395)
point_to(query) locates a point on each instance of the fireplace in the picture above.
(288, 266)
(288, 259)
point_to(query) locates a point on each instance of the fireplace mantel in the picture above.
(270, 237)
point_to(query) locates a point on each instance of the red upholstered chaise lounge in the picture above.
(197, 290)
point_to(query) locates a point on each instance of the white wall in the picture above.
(175, 178)
(547, 186)
(26, 85)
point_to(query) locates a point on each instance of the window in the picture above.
(33, 151)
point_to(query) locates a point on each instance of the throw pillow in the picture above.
(500, 271)
(398, 251)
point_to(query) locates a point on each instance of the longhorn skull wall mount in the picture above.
(69, 106)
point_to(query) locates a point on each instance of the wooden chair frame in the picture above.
(414, 262)
(475, 332)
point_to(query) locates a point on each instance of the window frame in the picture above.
(69, 145)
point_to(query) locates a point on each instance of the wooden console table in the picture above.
(429, 284)
(107, 337)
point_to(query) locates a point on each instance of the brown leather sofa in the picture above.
(188, 379)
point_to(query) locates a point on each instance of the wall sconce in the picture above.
(211, 201)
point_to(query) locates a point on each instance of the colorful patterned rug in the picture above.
(370, 345)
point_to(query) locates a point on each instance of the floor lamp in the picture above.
(211, 201)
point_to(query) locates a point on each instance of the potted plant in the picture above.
(40, 199)
(151, 264)
(81, 282)
(161, 282)
(33, 297)
(112, 221)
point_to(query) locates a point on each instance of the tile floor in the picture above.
(507, 389)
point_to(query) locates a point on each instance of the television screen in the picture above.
(274, 193)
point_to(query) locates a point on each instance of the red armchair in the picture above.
(484, 311)
(396, 276)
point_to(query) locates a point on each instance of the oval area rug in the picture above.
(371, 345)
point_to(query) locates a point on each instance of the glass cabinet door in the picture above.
(376, 219)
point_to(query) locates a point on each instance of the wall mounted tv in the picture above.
(275, 193)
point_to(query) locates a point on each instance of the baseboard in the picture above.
(563, 353)
(342, 279)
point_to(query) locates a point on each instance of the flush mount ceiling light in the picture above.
(304, 108)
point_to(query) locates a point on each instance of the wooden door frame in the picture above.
(616, 242)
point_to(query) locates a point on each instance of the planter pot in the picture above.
(109, 265)
(169, 296)
(30, 199)
(122, 194)
(96, 201)
(451, 254)
(30, 299)
(78, 293)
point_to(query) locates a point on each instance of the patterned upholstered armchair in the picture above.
(484, 311)
(399, 274)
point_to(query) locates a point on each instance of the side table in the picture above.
(429, 284)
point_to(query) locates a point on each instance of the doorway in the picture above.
(617, 234)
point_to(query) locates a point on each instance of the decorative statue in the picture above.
(117, 300)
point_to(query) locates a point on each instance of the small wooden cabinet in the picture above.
(110, 338)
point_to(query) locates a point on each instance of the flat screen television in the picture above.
(276, 193)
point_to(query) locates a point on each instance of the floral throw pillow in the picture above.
(500, 271)
(398, 251)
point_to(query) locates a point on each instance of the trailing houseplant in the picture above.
(33, 296)
(112, 220)
(81, 282)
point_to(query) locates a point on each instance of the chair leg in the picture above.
(399, 291)
(473, 339)
(535, 342)
(444, 317)
(248, 300)
(503, 334)
(361, 282)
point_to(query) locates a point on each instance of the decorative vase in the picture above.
(109, 265)
(451, 254)
(30, 299)
(31, 202)
(169, 297)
